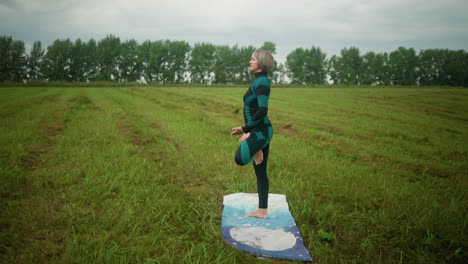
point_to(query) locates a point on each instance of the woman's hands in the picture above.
(239, 131)
(244, 137)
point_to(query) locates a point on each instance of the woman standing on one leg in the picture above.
(257, 132)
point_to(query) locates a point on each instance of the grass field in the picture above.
(137, 175)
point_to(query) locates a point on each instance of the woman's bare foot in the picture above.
(260, 213)
(258, 157)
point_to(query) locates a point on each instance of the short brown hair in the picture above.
(265, 59)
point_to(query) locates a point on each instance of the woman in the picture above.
(257, 132)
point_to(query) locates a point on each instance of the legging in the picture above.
(259, 139)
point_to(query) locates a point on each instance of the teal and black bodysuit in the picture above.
(257, 123)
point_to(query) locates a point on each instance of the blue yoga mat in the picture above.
(275, 237)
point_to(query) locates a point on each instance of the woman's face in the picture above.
(254, 65)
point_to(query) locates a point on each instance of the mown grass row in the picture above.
(125, 175)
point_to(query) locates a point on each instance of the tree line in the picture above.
(172, 62)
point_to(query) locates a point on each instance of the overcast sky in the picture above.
(370, 25)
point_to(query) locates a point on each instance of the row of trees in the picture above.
(400, 67)
(111, 59)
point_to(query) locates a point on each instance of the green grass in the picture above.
(137, 174)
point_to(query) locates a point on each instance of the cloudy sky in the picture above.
(370, 25)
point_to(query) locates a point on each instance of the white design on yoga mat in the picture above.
(263, 238)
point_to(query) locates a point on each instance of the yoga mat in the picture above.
(275, 237)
